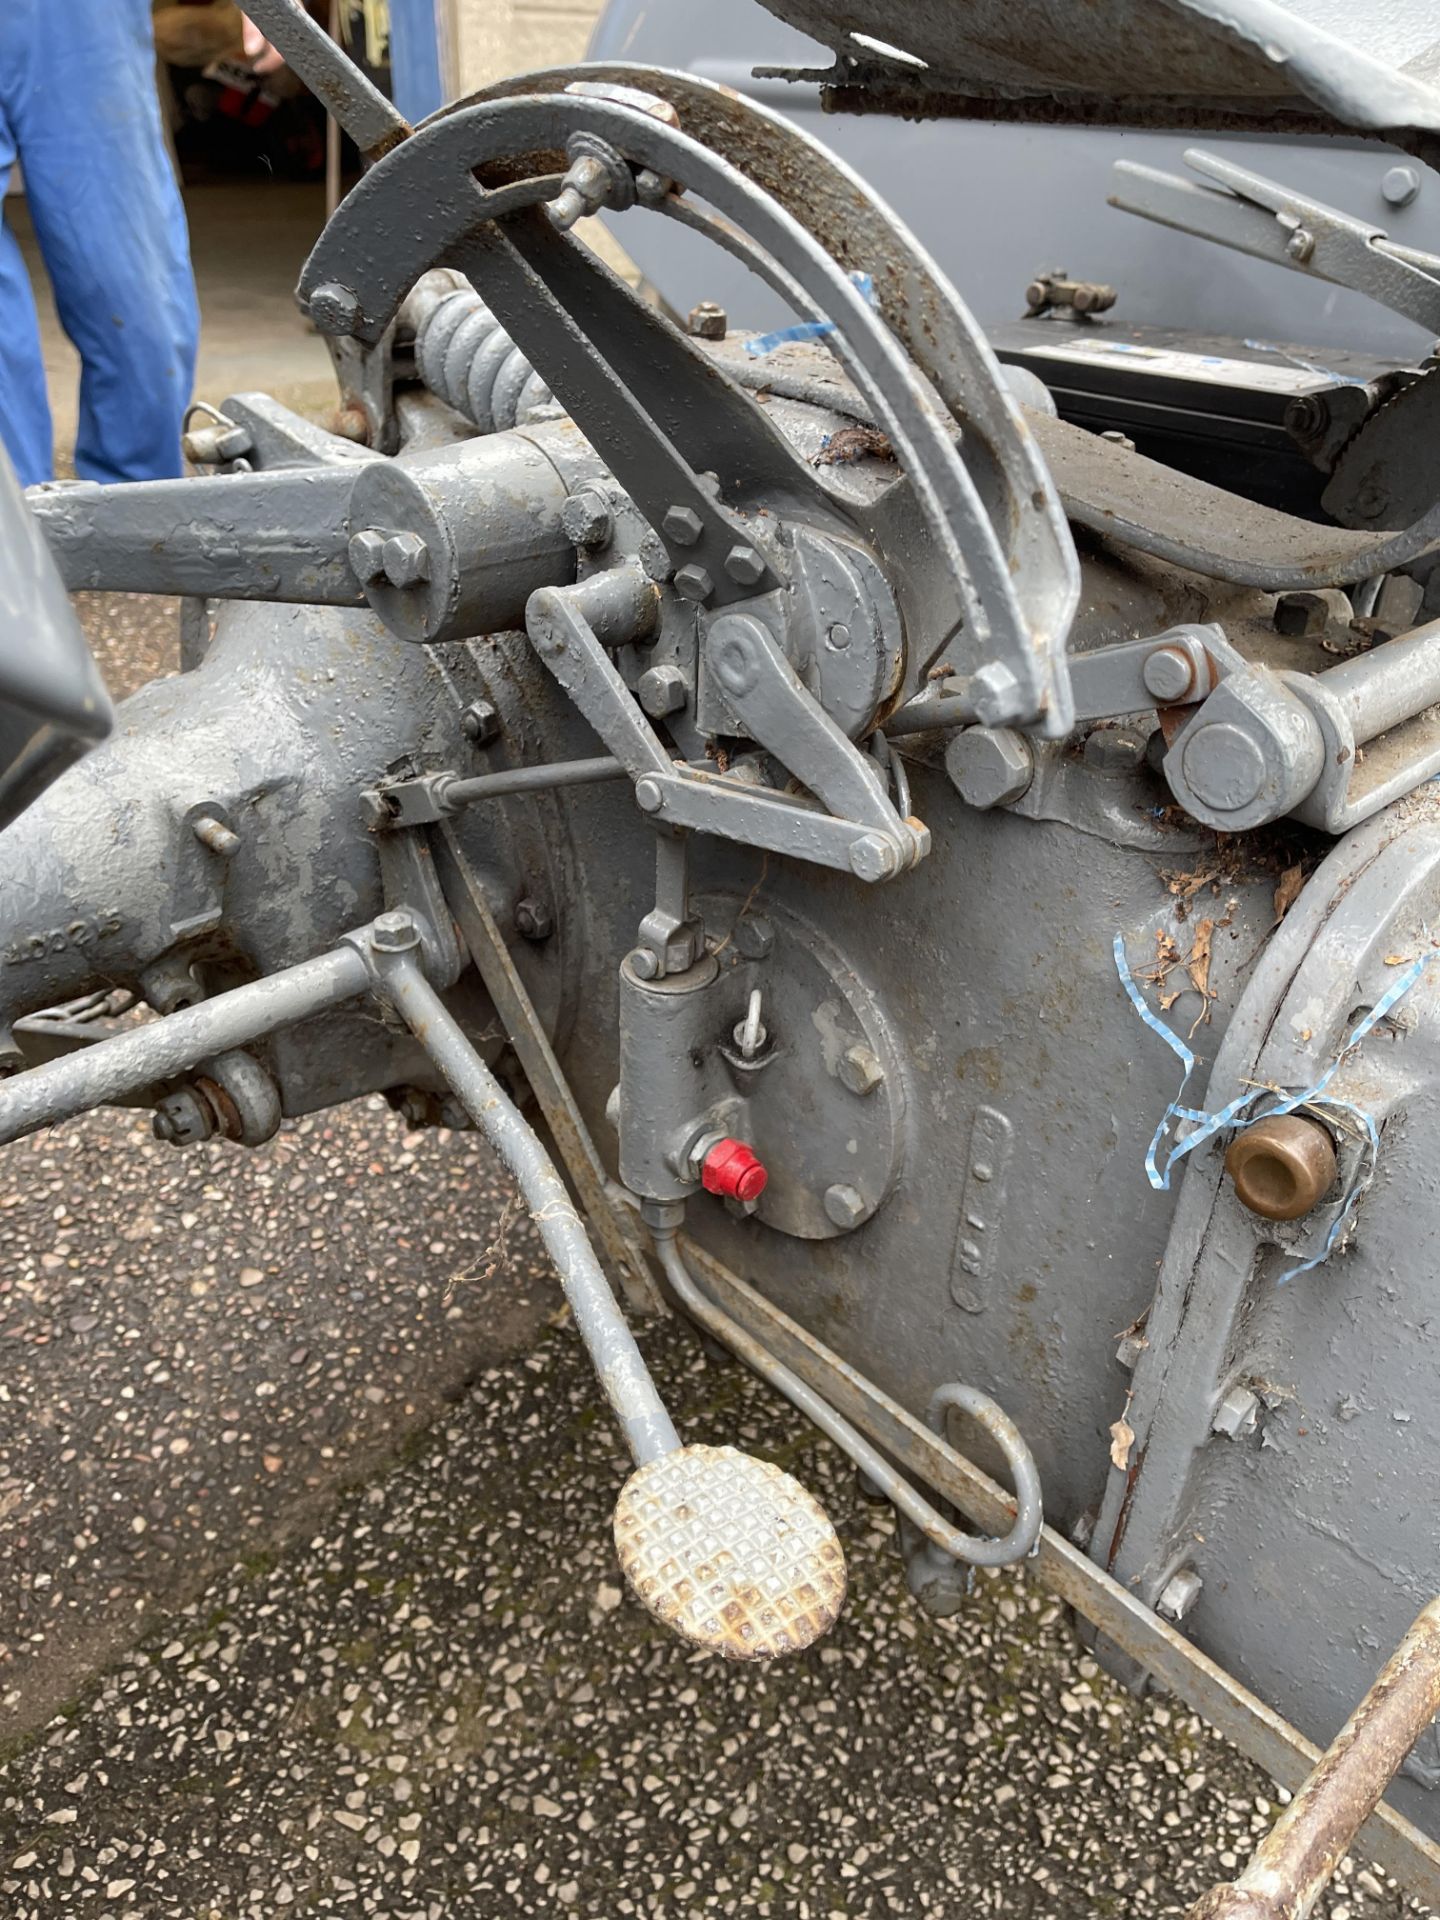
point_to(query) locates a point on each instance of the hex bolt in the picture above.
(1308, 615)
(662, 690)
(755, 936)
(708, 320)
(860, 1070)
(394, 932)
(1114, 751)
(587, 518)
(407, 560)
(844, 1206)
(334, 309)
(1168, 673)
(745, 566)
(655, 559)
(873, 857)
(533, 920)
(1179, 1594)
(1400, 186)
(990, 766)
(694, 583)
(1237, 1415)
(480, 722)
(367, 555)
(995, 692)
(1224, 765)
(682, 526)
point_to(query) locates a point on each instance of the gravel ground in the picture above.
(442, 1705)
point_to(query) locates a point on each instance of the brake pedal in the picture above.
(730, 1552)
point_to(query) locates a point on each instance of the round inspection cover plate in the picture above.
(731, 1552)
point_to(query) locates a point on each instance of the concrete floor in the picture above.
(248, 243)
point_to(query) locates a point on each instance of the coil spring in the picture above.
(467, 359)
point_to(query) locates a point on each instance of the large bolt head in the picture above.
(586, 518)
(394, 932)
(662, 690)
(694, 583)
(1400, 186)
(681, 526)
(873, 857)
(990, 766)
(844, 1206)
(334, 309)
(533, 919)
(407, 560)
(708, 321)
(745, 566)
(366, 552)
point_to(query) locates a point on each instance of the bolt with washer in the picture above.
(533, 920)
(183, 1118)
(844, 1206)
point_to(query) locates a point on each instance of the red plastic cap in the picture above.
(732, 1169)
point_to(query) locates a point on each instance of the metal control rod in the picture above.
(648, 1428)
(160, 1050)
(1296, 1858)
(977, 1550)
(1389, 683)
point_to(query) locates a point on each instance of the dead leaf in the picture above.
(1122, 1438)
(1397, 959)
(1287, 892)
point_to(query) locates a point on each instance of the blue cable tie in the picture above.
(1236, 1114)
(807, 329)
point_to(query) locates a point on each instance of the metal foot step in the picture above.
(730, 1552)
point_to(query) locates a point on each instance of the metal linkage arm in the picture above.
(1254, 215)
(1296, 1858)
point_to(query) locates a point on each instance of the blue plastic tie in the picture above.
(1238, 1114)
(807, 329)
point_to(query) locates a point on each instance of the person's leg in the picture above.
(24, 411)
(111, 225)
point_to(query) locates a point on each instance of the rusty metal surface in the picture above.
(1141, 61)
(1296, 1858)
(730, 1552)
(1261, 1733)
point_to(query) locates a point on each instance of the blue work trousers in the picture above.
(78, 108)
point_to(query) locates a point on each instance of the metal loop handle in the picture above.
(988, 1550)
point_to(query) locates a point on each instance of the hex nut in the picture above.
(366, 553)
(183, 1118)
(1308, 615)
(533, 919)
(586, 518)
(1237, 1415)
(755, 936)
(1400, 186)
(407, 560)
(873, 857)
(989, 766)
(708, 321)
(694, 583)
(1179, 1594)
(860, 1070)
(394, 932)
(745, 566)
(334, 309)
(844, 1206)
(1115, 751)
(662, 690)
(995, 692)
(682, 526)
(480, 722)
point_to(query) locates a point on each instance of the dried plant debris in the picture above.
(847, 445)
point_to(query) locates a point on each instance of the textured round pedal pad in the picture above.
(730, 1552)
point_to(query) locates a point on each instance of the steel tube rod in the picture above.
(617, 1359)
(1389, 684)
(1295, 1860)
(146, 1055)
(974, 1550)
(564, 773)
